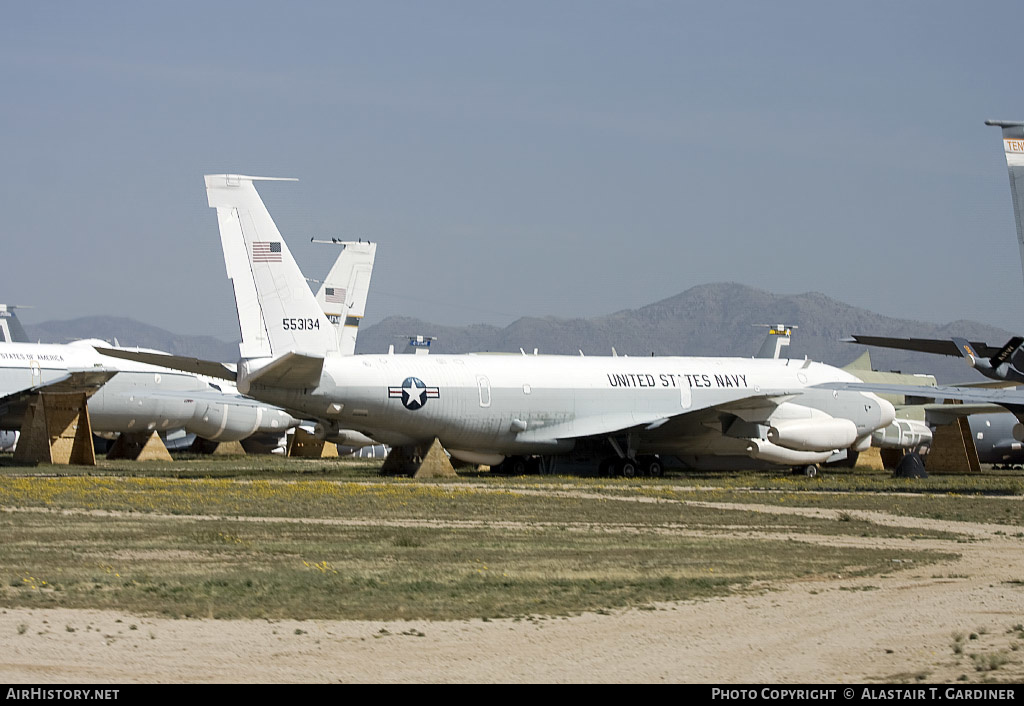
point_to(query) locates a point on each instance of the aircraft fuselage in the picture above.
(515, 404)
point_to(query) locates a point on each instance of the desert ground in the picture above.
(935, 623)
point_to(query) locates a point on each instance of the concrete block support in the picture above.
(57, 430)
(419, 463)
(305, 445)
(140, 446)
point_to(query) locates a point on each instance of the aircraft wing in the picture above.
(176, 362)
(597, 425)
(87, 381)
(749, 407)
(986, 384)
(925, 345)
(1008, 399)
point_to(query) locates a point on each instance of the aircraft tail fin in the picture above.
(343, 294)
(967, 350)
(1013, 148)
(1006, 352)
(277, 312)
(862, 362)
(11, 330)
(778, 338)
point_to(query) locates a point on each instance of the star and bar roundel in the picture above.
(413, 393)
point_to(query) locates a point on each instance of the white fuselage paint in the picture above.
(513, 404)
(140, 397)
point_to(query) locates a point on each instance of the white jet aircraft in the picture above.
(131, 397)
(486, 408)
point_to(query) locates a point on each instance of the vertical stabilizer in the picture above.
(277, 313)
(11, 330)
(343, 294)
(778, 338)
(1013, 148)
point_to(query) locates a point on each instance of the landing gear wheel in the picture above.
(627, 468)
(810, 470)
(651, 466)
(604, 469)
(517, 466)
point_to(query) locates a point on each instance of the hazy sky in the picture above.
(514, 158)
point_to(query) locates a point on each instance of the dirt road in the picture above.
(900, 627)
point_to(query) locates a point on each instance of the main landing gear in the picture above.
(649, 466)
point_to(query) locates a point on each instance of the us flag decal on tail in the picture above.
(266, 251)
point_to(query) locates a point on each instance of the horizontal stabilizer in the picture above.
(925, 345)
(290, 371)
(186, 364)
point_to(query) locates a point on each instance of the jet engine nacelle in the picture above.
(219, 421)
(902, 434)
(484, 458)
(767, 451)
(815, 434)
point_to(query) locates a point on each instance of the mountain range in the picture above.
(705, 320)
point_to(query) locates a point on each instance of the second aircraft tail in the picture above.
(343, 294)
(1013, 148)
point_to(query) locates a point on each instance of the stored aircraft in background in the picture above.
(145, 398)
(342, 295)
(488, 408)
(779, 337)
(132, 397)
(998, 436)
(11, 330)
(1004, 362)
